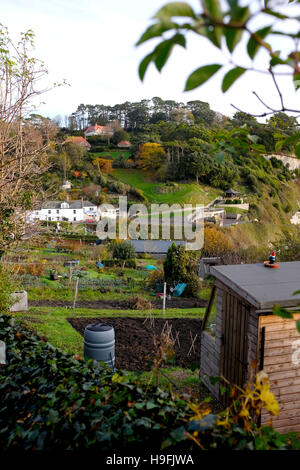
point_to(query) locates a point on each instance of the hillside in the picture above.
(186, 154)
(157, 192)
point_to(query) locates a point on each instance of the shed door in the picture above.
(281, 361)
(234, 355)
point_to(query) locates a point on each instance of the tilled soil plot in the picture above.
(134, 347)
(119, 304)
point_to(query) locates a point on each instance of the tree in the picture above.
(227, 25)
(180, 266)
(150, 156)
(197, 164)
(120, 135)
(23, 148)
(182, 115)
(103, 165)
(123, 250)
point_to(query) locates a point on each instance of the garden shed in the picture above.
(246, 330)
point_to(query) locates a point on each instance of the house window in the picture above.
(49, 212)
(49, 218)
(74, 211)
(57, 211)
(74, 218)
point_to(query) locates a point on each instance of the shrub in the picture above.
(8, 285)
(180, 266)
(155, 277)
(34, 269)
(123, 250)
(53, 401)
(215, 242)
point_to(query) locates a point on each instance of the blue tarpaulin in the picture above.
(99, 265)
(151, 267)
(179, 289)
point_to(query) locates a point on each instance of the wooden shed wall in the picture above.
(282, 364)
(210, 350)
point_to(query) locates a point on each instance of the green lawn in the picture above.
(112, 154)
(187, 192)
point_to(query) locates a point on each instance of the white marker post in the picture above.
(164, 298)
(75, 296)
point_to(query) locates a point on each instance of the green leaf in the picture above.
(214, 380)
(268, 11)
(156, 30)
(231, 77)
(175, 9)
(253, 44)
(296, 79)
(232, 37)
(144, 65)
(162, 52)
(201, 75)
(277, 61)
(298, 325)
(296, 292)
(212, 7)
(297, 153)
(282, 312)
(213, 10)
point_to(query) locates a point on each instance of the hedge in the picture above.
(51, 400)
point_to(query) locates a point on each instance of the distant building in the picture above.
(231, 193)
(158, 247)
(99, 130)
(296, 218)
(78, 140)
(75, 211)
(67, 185)
(124, 144)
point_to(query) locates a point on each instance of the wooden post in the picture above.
(164, 298)
(75, 295)
(70, 275)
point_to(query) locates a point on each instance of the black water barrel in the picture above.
(99, 343)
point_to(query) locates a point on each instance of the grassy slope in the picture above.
(187, 193)
(271, 220)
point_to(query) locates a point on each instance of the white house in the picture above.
(296, 218)
(75, 211)
(99, 130)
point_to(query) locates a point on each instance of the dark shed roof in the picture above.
(154, 246)
(260, 286)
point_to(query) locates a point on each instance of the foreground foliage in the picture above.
(51, 400)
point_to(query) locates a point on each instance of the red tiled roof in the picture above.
(124, 142)
(76, 140)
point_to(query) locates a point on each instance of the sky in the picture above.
(91, 44)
